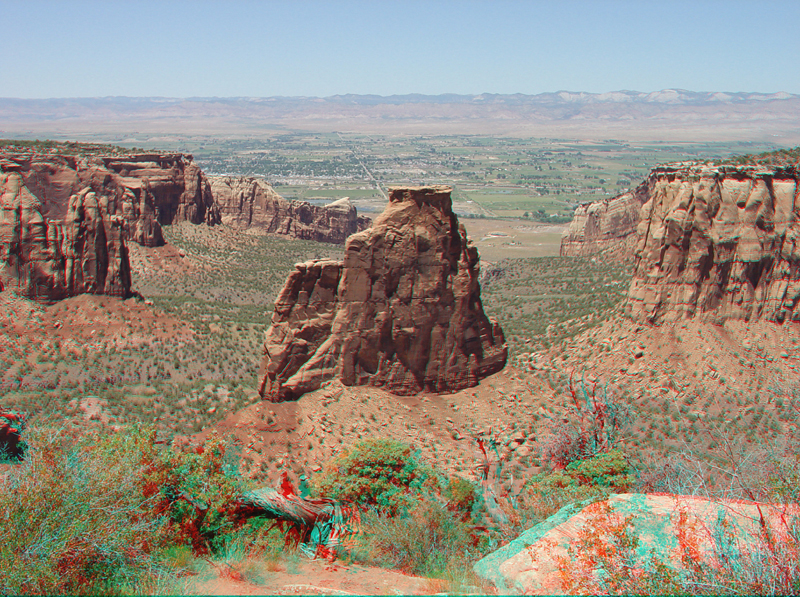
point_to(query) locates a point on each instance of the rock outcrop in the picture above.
(718, 242)
(45, 259)
(65, 219)
(12, 424)
(249, 202)
(402, 310)
(607, 225)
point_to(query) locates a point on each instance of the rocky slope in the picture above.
(250, 202)
(402, 311)
(718, 242)
(607, 225)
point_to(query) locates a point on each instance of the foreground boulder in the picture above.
(610, 546)
(402, 310)
(248, 202)
(719, 242)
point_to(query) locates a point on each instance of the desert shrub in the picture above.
(609, 469)
(428, 540)
(192, 489)
(603, 559)
(596, 422)
(460, 495)
(587, 480)
(108, 512)
(378, 473)
(606, 558)
(76, 520)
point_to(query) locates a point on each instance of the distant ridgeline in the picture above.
(710, 240)
(67, 211)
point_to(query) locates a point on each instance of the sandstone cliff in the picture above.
(608, 224)
(718, 242)
(145, 190)
(66, 218)
(41, 258)
(402, 311)
(249, 202)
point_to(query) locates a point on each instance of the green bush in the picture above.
(460, 494)
(103, 512)
(381, 473)
(608, 469)
(77, 519)
(591, 479)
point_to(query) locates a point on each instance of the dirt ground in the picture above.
(317, 577)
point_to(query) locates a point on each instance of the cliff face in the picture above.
(145, 190)
(608, 224)
(402, 311)
(45, 259)
(249, 202)
(718, 242)
(66, 218)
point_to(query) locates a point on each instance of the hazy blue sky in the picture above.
(236, 48)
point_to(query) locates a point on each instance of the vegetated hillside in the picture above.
(779, 157)
(209, 298)
(532, 298)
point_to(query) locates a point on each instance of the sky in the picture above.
(237, 48)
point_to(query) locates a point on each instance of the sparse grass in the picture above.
(531, 297)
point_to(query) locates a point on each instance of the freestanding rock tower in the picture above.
(402, 311)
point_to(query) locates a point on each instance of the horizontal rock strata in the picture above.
(248, 202)
(145, 190)
(401, 311)
(66, 218)
(608, 224)
(718, 242)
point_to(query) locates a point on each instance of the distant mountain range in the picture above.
(746, 115)
(665, 96)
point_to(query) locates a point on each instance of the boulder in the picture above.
(402, 310)
(569, 553)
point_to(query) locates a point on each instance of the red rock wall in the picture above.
(718, 242)
(145, 190)
(50, 260)
(402, 311)
(608, 224)
(249, 202)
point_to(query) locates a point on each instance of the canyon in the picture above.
(65, 220)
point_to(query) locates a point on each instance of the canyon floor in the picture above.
(185, 358)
